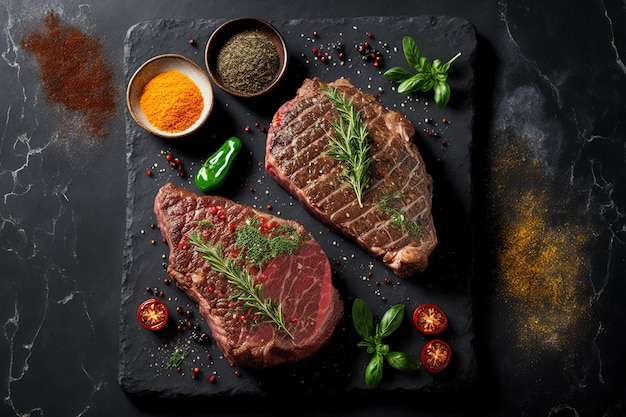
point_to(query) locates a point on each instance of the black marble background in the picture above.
(549, 141)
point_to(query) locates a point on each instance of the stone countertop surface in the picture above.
(549, 197)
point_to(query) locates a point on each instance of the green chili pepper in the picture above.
(214, 171)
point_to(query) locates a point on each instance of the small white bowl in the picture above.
(158, 65)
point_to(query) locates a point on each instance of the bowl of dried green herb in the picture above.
(246, 57)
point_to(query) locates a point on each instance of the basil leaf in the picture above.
(424, 64)
(397, 74)
(392, 319)
(430, 75)
(362, 319)
(428, 84)
(401, 361)
(411, 85)
(374, 371)
(411, 53)
(442, 93)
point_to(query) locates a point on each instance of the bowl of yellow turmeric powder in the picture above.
(170, 96)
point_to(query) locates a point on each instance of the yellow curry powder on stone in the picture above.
(171, 101)
(543, 260)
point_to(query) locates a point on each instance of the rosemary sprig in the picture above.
(350, 143)
(178, 356)
(398, 220)
(252, 295)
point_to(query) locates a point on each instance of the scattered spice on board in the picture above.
(248, 62)
(543, 257)
(74, 72)
(171, 101)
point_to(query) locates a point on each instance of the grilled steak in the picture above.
(299, 281)
(395, 223)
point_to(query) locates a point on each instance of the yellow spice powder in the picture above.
(171, 101)
(543, 262)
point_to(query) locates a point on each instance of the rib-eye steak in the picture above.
(395, 222)
(244, 268)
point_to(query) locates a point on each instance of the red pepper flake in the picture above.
(222, 216)
(196, 370)
(221, 295)
(247, 129)
(166, 281)
(383, 298)
(269, 206)
(232, 228)
(211, 288)
(444, 120)
(387, 280)
(192, 42)
(315, 50)
(237, 373)
(369, 35)
(212, 379)
(251, 189)
(315, 34)
(293, 319)
(148, 172)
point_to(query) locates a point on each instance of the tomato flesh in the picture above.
(153, 314)
(430, 319)
(436, 355)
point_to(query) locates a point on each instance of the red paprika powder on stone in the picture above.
(74, 72)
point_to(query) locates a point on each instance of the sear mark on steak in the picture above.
(296, 158)
(301, 282)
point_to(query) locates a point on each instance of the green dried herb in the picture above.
(178, 356)
(398, 220)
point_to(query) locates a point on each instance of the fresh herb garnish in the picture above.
(253, 295)
(429, 75)
(398, 220)
(373, 334)
(350, 143)
(178, 356)
(260, 248)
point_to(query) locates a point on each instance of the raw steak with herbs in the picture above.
(376, 193)
(263, 284)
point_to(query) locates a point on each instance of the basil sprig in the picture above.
(429, 76)
(372, 335)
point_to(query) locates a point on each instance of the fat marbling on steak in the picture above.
(395, 223)
(300, 282)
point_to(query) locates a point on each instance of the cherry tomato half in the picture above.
(436, 355)
(430, 319)
(152, 314)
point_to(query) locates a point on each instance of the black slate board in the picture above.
(339, 366)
